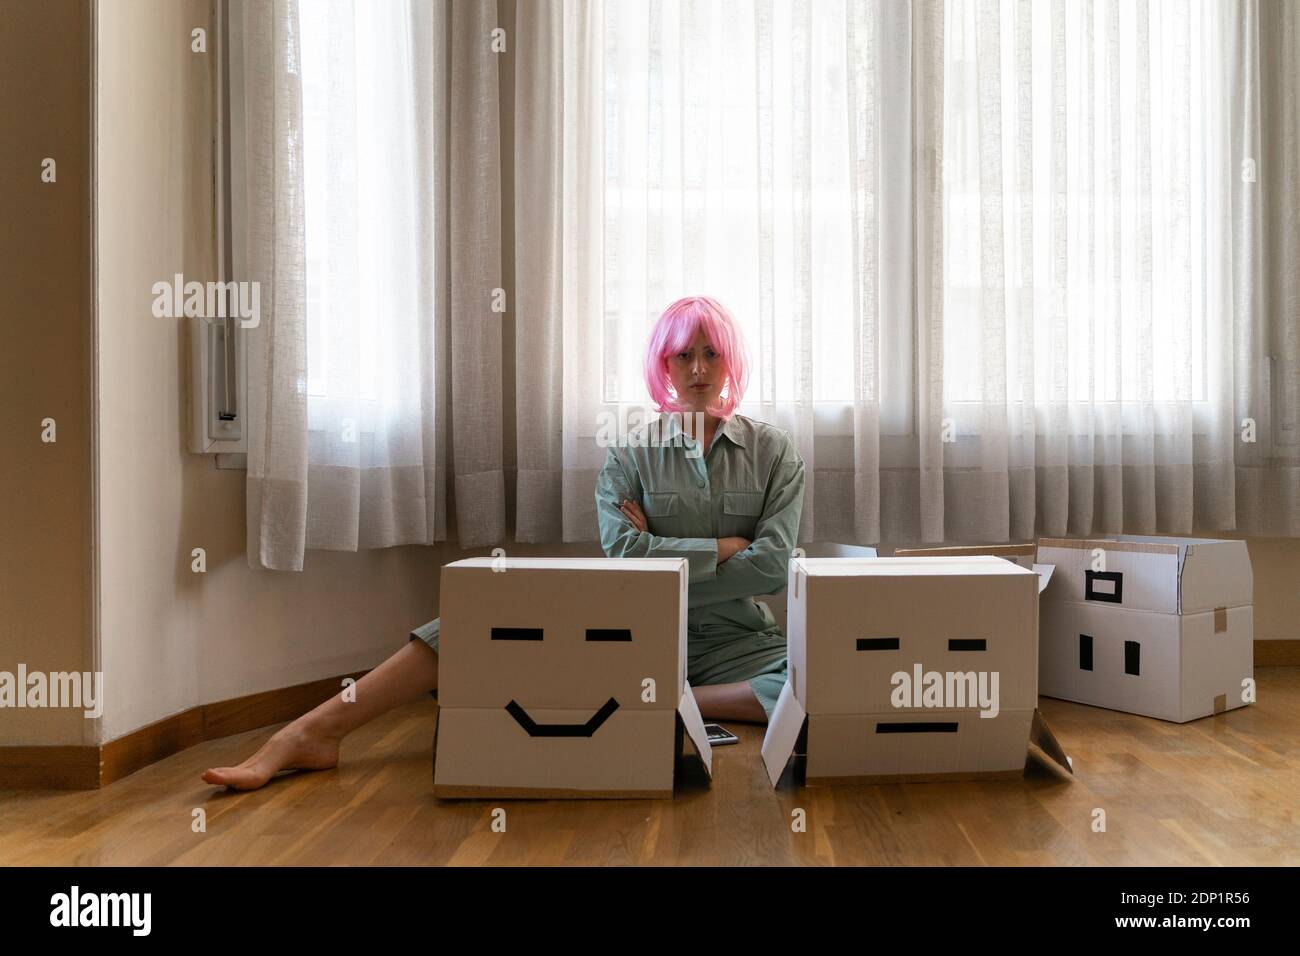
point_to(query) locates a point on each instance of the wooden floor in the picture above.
(1222, 790)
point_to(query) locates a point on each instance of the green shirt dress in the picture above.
(749, 484)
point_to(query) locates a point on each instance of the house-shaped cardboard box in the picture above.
(869, 637)
(564, 677)
(1158, 626)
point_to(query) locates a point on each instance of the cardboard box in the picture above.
(776, 603)
(856, 623)
(564, 677)
(1023, 555)
(1157, 626)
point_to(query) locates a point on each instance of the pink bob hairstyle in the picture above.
(672, 333)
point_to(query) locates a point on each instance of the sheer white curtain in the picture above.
(1005, 267)
(667, 148)
(359, 121)
(367, 145)
(998, 260)
(751, 153)
(1091, 334)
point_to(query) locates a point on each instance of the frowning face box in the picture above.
(909, 668)
(563, 677)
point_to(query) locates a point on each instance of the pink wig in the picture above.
(673, 332)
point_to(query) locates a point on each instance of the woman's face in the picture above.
(697, 373)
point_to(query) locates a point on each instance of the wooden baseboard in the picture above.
(91, 767)
(88, 768)
(1277, 653)
(49, 768)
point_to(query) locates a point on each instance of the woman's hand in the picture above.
(729, 546)
(634, 514)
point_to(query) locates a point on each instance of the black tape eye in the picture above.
(967, 644)
(609, 634)
(877, 643)
(516, 633)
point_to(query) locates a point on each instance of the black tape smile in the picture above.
(535, 729)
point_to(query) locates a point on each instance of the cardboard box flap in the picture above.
(1019, 554)
(1045, 747)
(506, 562)
(959, 565)
(1148, 572)
(782, 732)
(689, 711)
(831, 549)
(1181, 544)
(1144, 546)
(995, 550)
(1212, 572)
(1133, 575)
(1215, 574)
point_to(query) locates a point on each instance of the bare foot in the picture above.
(290, 748)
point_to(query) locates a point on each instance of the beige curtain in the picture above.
(559, 308)
(1268, 472)
(276, 505)
(374, 227)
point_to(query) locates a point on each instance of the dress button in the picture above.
(700, 482)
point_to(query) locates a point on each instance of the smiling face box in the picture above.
(856, 623)
(563, 677)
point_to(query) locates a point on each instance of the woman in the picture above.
(732, 511)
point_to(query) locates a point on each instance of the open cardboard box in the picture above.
(1157, 626)
(854, 623)
(564, 677)
(1024, 555)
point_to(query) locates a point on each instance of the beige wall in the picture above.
(46, 582)
(1276, 563)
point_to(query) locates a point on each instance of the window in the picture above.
(682, 134)
(364, 212)
(692, 163)
(1111, 132)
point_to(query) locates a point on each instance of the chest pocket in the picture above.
(740, 513)
(660, 504)
(663, 512)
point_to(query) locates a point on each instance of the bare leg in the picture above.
(312, 741)
(729, 702)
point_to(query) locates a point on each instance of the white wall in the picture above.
(171, 639)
